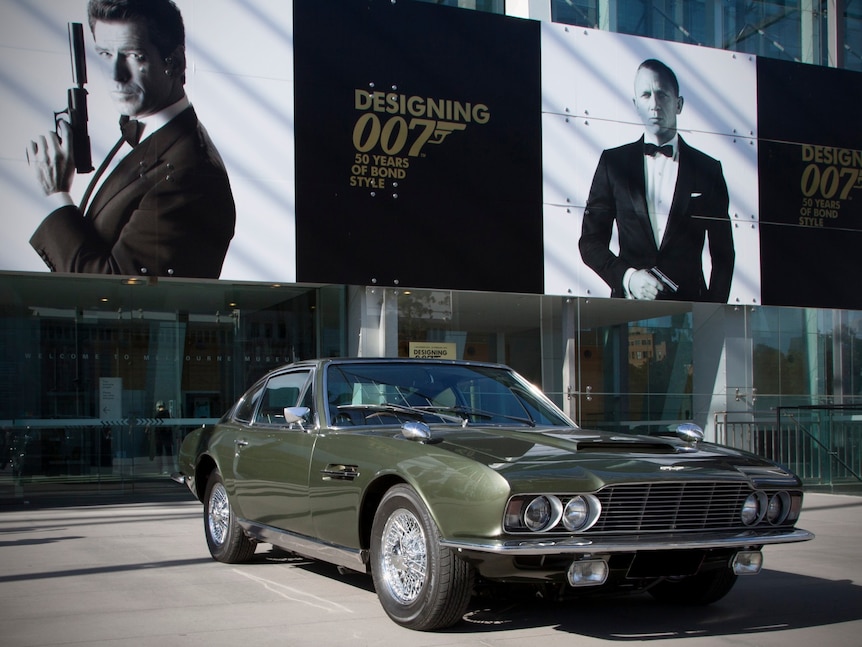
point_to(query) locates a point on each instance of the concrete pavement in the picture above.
(136, 571)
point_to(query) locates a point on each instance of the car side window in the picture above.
(245, 409)
(281, 391)
(308, 399)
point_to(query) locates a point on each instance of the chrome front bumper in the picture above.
(627, 544)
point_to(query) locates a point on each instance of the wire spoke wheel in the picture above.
(218, 514)
(225, 538)
(420, 584)
(405, 558)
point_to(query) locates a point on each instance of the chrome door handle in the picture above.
(241, 443)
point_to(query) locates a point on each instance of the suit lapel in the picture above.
(135, 166)
(681, 193)
(121, 177)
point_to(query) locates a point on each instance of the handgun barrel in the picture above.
(76, 52)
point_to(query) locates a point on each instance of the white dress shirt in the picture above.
(660, 172)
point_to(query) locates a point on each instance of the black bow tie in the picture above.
(131, 129)
(652, 149)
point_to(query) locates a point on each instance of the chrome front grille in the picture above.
(670, 507)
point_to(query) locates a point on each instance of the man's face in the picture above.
(139, 84)
(657, 104)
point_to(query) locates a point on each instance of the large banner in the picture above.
(810, 173)
(596, 184)
(418, 147)
(406, 144)
(159, 211)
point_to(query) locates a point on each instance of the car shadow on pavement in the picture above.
(772, 601)
(769, 602)
(275, 555)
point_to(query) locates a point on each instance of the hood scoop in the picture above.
(688, 432)
(622, 445)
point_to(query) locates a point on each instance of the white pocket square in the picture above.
(696, 195)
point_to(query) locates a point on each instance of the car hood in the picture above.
(554, 453)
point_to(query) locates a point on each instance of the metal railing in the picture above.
(822, 444)
(88, 451)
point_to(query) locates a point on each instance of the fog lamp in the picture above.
(747, 562)
(588, 572)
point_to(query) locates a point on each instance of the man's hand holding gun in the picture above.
(57, 155)
(646, 284)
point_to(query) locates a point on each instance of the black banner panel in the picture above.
(418, 147)
(810, 171)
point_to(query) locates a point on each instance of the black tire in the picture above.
(225, 539)
(420, 585)
(703, 588)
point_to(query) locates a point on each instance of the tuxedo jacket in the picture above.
(699, 210)
(166, 210)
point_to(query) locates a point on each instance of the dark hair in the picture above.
(162, 17)
(655, 65)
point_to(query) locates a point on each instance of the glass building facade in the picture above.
(85, 360)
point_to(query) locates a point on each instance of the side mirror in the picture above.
(690, 432)
(296, 416)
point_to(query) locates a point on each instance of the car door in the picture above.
(272, 456)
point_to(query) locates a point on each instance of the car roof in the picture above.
(320, 362)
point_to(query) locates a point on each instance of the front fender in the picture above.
(464, 497)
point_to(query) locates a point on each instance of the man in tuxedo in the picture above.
(666, 198)
(162, 206)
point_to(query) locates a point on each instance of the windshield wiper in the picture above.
(416, 412)
(466, 412)
(461, 414)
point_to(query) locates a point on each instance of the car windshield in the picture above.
(370, 393)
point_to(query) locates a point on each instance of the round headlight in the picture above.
(779, 505)
(576, 513)
(537, 514)
(581, 512)
(754, 508)
(542, 513)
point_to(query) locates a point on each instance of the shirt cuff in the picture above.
(57, 200)
(626, 278)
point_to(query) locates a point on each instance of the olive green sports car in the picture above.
(436, 476)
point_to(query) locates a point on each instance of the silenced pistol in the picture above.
(664, 279)
(77, 101)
